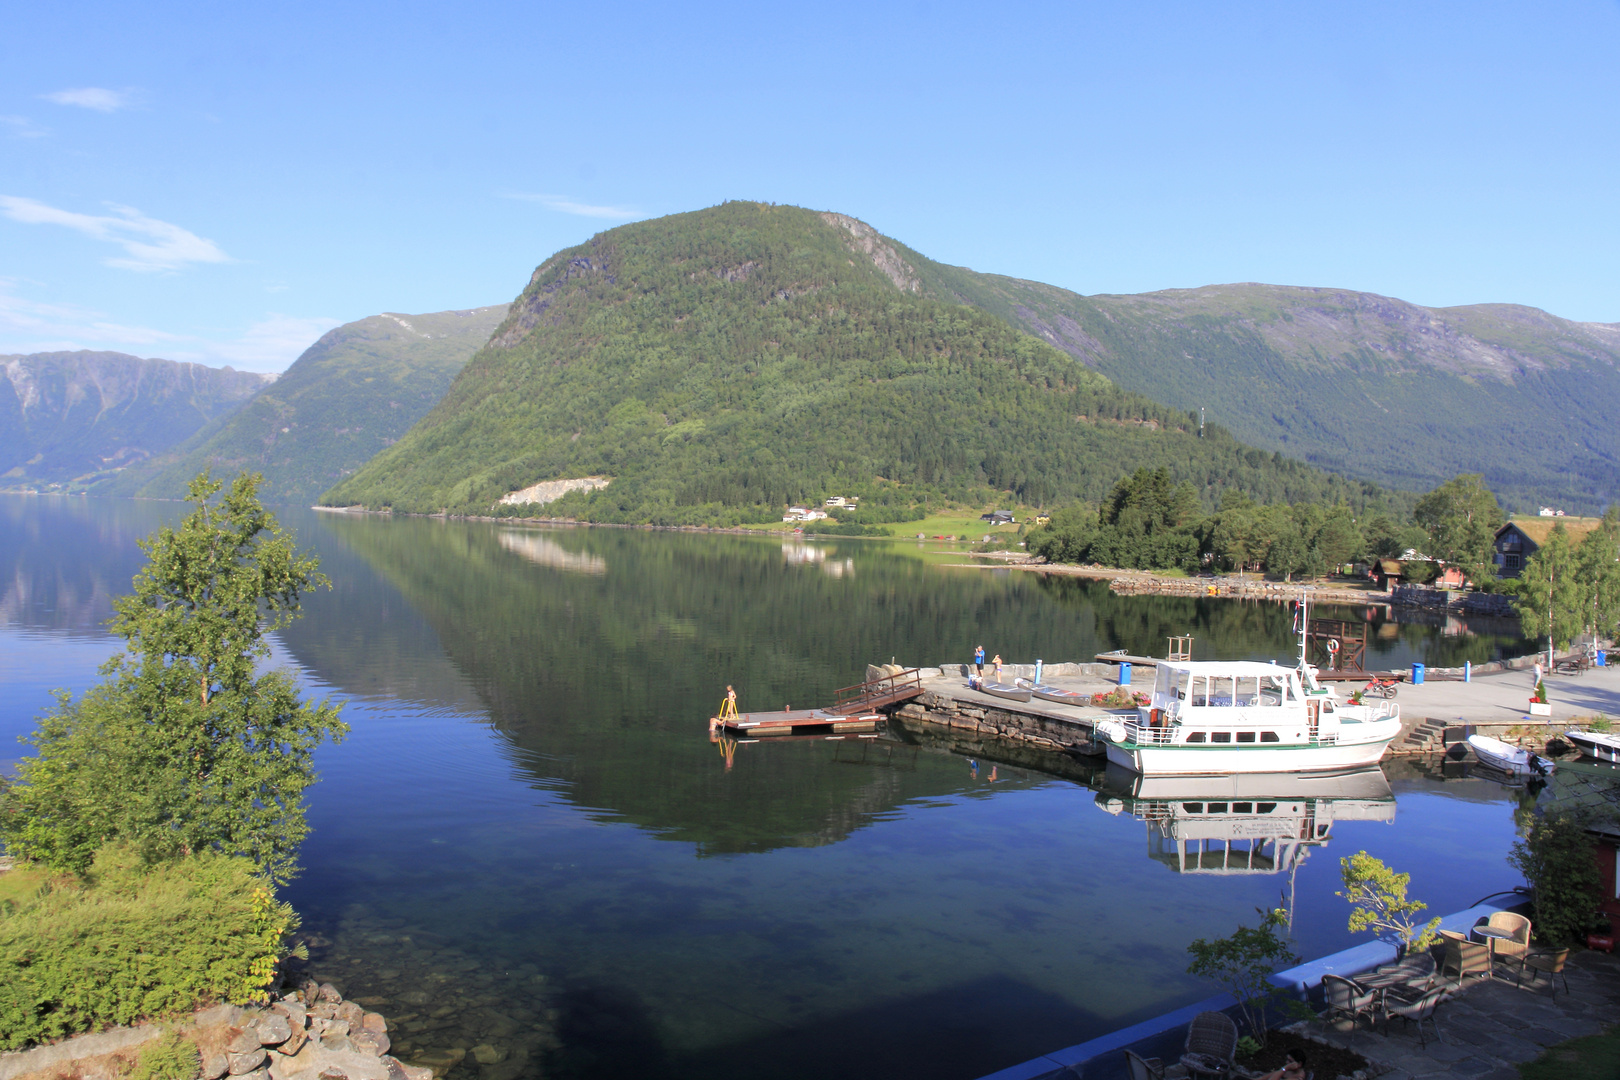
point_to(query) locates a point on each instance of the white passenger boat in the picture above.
(1595, 744)
(1505, 757)
(1210, 718)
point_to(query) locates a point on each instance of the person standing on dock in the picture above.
(996, 663)
(978, 660)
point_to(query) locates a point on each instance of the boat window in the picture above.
(1245, 736)
(1217, 808)
(1221, 736)
(1193, 807)
(1265, 807)
(1195, 736)
(1242, 808)
(1269, 736)
(1183, 684)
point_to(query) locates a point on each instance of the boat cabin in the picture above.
(1236, 702)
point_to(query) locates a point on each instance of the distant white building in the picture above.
(840, 502)
(1547, 511)
(803, 513)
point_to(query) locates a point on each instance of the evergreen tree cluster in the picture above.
(1150, 522)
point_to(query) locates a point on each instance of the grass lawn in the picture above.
(20, 883)
(1596, 1057)
(960, 523)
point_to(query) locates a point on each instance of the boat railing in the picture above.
(1148, 735)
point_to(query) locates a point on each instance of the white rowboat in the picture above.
(1507, 758)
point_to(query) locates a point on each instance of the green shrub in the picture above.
(171, 1057)
(133, 942)
(1556, 858)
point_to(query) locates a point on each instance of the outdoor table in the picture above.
(1204, 1065)
(1492, 935)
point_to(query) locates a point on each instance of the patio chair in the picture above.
(1464, 956)
(1349, 1000)
(1511, 950)
(1420, 1010)
(1551, 963)
(1212, 1040)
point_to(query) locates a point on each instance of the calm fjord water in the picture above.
(529, 834)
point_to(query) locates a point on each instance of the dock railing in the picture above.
(875, 693)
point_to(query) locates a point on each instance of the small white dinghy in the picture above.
(1507, 758)
(1595, 744)
(1000, 690)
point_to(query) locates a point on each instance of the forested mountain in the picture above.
(1364, 385)
(353, 392)
(68, 419)
(720, 363)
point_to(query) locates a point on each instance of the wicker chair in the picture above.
(1465, 956)
(1349, 1000)
(1420, 1010)
(1551, 964)
(1510, 950)
(1212, 1040)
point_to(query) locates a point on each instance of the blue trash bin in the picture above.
(1417, 674)
(1602, 658)
(1124, 674)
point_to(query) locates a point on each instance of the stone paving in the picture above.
(1490, 1026)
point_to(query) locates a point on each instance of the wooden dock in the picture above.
(799, 722)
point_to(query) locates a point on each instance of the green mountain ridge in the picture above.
(71, 419)
(723, 362)
(354, 392)
(1367, 386)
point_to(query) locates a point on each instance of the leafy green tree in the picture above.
(1243, 963)
(1461, 517)
(185, 747)
(1556, 858)
(1378, 901)
(1339, 540)
(1597, 570)
(1548, 594)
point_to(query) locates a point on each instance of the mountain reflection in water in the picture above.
(529, 832)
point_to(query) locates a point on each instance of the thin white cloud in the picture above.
(268, 345)
(149, 244)
(21, 127)
(92, 97)
(272, 343)
(564, 205)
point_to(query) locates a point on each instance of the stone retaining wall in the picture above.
(989, 721)
(1456, 601)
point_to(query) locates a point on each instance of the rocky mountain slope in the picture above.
(71, 419)
(720, 363)
(352, 393)
(1368, 386)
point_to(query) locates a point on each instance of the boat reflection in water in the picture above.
(1247, 823)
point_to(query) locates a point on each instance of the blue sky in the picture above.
(223, 183)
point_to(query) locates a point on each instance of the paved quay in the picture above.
(1490, 1026)
(1504, 697)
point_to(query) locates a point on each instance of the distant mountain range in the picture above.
(354, 392)
(747, 372)
(721, 363)
(71, 419)
(1365, 385)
